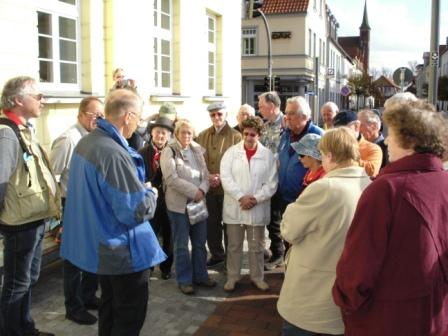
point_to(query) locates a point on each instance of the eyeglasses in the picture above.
(250, 134)
(94, 115)
(138, 117)
(37, 97)
(216, 114)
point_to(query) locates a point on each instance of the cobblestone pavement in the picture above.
(169, 311)
(246, 311)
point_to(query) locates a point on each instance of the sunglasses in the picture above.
(216, 114)
(37, 97)
(94, 115)
(249, 134)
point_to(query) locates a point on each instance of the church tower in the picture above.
(364, 37)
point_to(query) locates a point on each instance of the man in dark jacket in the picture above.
(160, 131)
(216, 140)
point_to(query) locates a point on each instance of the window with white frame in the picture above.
(249, 39)
(211, 49)
(58, 41)
(163, 44)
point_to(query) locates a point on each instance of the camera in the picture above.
(124, 83)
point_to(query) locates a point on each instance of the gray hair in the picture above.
(371, 117)
(271, 97)
(331, 105)
(248, 108)
(400, 98)
(15, 87)
(118, 101)
(304, 109)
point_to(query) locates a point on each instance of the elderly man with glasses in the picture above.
(216, 140)
(79, 286)
(28, 197)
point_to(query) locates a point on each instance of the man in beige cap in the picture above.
(216, 140)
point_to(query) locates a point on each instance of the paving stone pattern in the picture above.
(247, 311)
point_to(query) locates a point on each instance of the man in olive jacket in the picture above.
(216, 140)
(28, 196)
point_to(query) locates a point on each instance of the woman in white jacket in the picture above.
(249, 178)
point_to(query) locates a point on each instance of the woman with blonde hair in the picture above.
(315, 225)
(185, 179)
(392, 278)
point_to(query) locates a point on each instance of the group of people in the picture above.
(362, 257)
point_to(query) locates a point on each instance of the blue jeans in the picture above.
(289, 329)
(22, 254)
(194, 269)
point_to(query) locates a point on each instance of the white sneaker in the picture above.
(230, 285)
(261, 285)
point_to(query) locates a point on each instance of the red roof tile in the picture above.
(285, 6)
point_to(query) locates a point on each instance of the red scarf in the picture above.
(13, 117)
(155, 164)
(310, 176)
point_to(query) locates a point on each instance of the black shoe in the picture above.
(37, 332)
(93, 304)
(83, 317)
(214, 262)
(209, 283)
(166, 275)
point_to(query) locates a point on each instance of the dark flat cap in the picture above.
(344, 118)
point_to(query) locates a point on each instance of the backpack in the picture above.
(26, 152)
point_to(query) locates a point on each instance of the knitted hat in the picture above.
(309, 146)
(168, 110)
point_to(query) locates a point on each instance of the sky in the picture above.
(400, 29)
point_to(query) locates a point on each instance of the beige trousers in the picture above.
(255, 240)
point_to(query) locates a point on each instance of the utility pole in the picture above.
(434, 53)
(268, 33)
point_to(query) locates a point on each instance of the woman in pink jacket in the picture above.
(392, 278)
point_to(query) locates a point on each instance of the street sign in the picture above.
(345, 91)
(435, 56)
(330, 71)
(403, 76)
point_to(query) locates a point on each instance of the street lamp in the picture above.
(258, 12)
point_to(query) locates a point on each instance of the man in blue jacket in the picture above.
(291, 170)
(106, 228)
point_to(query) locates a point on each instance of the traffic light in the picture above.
(276, 83)
(267, 83)
(257, 4)
(252, 7)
